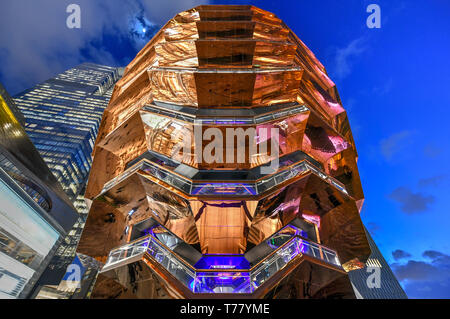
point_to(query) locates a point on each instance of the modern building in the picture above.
(77, 283)
(62, 116)
(35, 213)
(376, 280)
(225, 166)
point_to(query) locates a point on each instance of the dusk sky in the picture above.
(393, 82)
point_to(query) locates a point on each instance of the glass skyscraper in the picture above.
(62, 119)
(35, 214)
(62, 116)
(366, 286)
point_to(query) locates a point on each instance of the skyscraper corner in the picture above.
(62, 116)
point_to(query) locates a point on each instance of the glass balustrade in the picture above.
(223, 188)
(224, 278)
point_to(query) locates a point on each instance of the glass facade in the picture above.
(25, 240)
(62, 117)
(366, 288)
(34, 214)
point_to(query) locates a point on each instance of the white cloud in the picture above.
(36, 43)
(161, 11)
(343, 59)
(395, 144)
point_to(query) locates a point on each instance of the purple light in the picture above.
(222, 262)
(232, 282)
(224, 189)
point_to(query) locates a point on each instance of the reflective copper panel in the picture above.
(224, 68)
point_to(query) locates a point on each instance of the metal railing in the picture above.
(227, 187)
(227, 280)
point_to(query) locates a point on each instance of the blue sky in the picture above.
(393, 81)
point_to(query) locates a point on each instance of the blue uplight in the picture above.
(222, 262)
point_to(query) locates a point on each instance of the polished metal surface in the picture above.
(226, 68)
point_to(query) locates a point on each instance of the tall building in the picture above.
(35, 213)
(376, 280)
(62, 117)
(225, 165)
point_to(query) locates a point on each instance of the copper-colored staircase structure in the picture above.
(156, 209)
